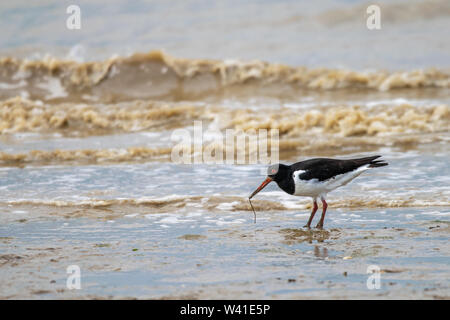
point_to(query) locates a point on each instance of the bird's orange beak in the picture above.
(265, 183)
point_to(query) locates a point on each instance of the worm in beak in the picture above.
(262, 186)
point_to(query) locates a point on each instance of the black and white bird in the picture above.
(315, 178)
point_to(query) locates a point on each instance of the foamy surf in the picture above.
(37, 133)
(216, 204)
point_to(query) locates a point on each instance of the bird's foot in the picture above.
(319, 226)
(307, 226)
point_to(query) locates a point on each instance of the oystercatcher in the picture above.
(316, 177)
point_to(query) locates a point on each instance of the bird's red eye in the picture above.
(273, 170)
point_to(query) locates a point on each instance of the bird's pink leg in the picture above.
(313, 212)
(324, 210)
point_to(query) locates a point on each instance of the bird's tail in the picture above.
(372, 162)
(377, 163)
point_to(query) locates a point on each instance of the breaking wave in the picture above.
(23, 115)
(87, 156)
(157, 75)
(336, 129)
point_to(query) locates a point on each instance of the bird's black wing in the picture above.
(323, 168)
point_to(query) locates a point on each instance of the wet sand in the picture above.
(227, 256)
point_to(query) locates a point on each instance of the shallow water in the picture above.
(87, 175)
(426, 182)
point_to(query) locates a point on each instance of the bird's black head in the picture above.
(276, 172)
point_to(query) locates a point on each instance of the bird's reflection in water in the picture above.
(320, 252)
